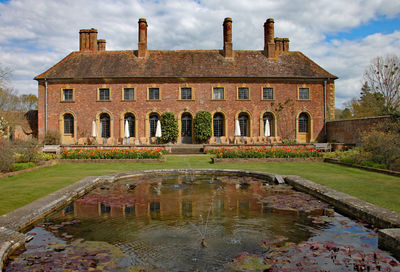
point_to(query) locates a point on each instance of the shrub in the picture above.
(264, 152)
(52, 137)
(6, 156)
(202, 126)
(169, 127)
(46, 156)
(383, 147)
(26, 151)
(21, 166)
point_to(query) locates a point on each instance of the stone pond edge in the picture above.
(12, 223)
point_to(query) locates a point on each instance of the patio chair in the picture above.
(143, 141)
(238, 140)
(224, 140)
(248, 140)
(256, 140)
(153, 140)
(212, 140)
(231, 139)
(82, 141)
(278, 140)
(132, 140)
(272, 140)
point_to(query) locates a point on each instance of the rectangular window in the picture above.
(243, 93)
(186, 93)
(304, 93)
(104, 94)
(154, 94)
(129, 94)
(218, 93)
(68, 95)
(268, 93)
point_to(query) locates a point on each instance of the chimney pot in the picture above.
(286, 44)
(142, 39)
(101, 45)
(228, 47)
(88, 39)
(269, 42)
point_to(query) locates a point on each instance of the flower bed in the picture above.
(266, 152)
(93, 154)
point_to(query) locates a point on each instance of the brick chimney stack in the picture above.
(142, 43)
(88, 40)
(285, 44)
(228, 48)
(269, 42)
(101, 45)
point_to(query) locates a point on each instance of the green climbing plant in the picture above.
(202, 126)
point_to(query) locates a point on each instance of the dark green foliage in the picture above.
(169, 127)
(52, 137)
(202, 126)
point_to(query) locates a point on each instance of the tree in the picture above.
(202, 126)
(345, 114)
(169, 127)
(28, 102)
(8, 99)
(383, 77)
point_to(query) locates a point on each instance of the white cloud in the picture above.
(36, 34)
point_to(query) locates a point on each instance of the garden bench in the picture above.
(323, 146)
(51, 149)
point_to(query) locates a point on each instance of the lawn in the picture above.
(379, 189)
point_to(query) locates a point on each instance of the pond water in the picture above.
(199, 223)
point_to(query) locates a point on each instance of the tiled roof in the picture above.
(184, 63)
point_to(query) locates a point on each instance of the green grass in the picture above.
(379, 189)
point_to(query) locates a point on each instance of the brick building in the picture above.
(109, 87)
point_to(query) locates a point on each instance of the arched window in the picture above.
(154, 117)
(218, 123)
(244, 124)
(131, 123)
(68, 124)
(268, 116)
(303, 123)
(105, 125)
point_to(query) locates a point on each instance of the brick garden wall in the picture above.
(351, 131)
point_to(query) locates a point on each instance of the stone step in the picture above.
(187, 150)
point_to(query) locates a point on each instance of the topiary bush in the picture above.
(169, 127)
(202, 126)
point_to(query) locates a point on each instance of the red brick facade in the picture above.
(85, 106)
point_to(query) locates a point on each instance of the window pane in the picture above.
(67, 95)
(243, 93)
(186, 93)
(153, 124)
(68, 124)
(154, 94)
(268, 93)
(105, 125)
(129, 94)
(303, 123)
(104, 94)
(131, 123)
(304, 93)
(218, 125)
(244, 124)
(218, 93)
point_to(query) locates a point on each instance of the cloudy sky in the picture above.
(341, 35)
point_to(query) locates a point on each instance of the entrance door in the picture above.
(186, 128)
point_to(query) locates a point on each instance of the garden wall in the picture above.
(351, 131)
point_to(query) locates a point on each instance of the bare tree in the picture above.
(383, 76)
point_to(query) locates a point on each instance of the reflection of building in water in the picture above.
(182, 201)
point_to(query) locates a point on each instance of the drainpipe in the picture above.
(325, 108)
(45, 97)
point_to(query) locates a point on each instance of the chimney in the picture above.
(142, 43)
(101, 45)
(278, 45)
(88, 40)
(228, 50)
(269, 43)
(286, 44)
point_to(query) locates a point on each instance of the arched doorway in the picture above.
(244, 124)
(268, 116)
(304, 128)
(153, 118)
(131, 123)
(105, 131)
(218, 125)
(186, 128)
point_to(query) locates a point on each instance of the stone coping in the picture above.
(13, 223)
(60, 161)
(238, 160)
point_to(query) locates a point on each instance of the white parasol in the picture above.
(94, 130)
(267, 130)
(237, 128)
(158, 129)
(126, 130)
